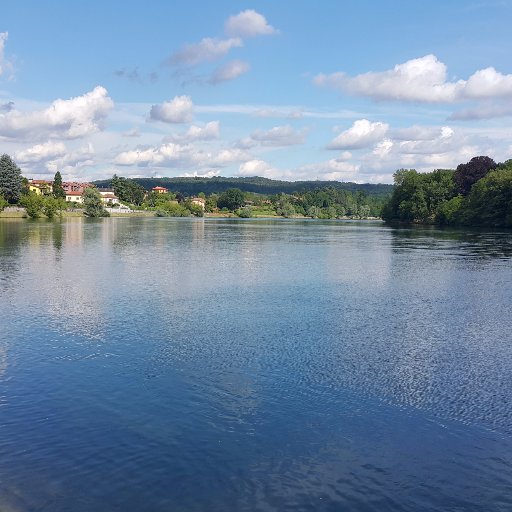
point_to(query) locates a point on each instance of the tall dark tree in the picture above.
(58, 191)
(10, 179)
(467, 174)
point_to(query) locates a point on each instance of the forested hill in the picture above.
(192, 186)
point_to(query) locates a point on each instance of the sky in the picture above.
(293, 90)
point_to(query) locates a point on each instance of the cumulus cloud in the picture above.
(178, 110)
(278, 136)
(70, 119)
(361, 134)
(254, 168)
(220, 158)
(74, 161)
(335, 169)
(420, 80)
(248, 23)
(178, 155)
(209, 131)
(424, 148)
(207, 50)
(41, 152)
(164, 154)
(229, 71)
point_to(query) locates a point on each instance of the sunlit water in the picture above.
(214, 365)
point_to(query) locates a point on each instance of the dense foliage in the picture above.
(257, 185)
(472, 195)
(58, 191)
(128, 190)
(232, 199)
(466, 175)
(478, 193)
(10, 179)
(93, 204)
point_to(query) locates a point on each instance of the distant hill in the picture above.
(192, 186)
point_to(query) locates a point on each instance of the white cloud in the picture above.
(254, 168)
(165, 154)
(41, 152)
(74, 161)
(207, 50)
(178, 155)
(70, 119)
(221, 158)
(229, 71)
(383, 148)
(209, 131)
(278, 136)
(248, 23)
(420, 80)
(205, 174)
(334, 169)
(178, 110)
(424, 148)
(488, 83)
(361, 134)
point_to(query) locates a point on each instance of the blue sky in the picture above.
(291, 90)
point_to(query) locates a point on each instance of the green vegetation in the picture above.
(58, 191)
(127, 190)
(33, 204)
(191, 187)
(10, 179)
(232, 199)
(3, 203)
(478, 193)
(93, 204)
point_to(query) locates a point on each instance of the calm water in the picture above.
(216, 365)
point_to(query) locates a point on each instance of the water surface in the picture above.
(201, 364)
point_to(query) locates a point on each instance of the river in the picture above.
(157, 364)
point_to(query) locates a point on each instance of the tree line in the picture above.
(192, 186)
(476, 193)
(14, 190)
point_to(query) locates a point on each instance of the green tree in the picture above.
(490, 200)
(418, 196)
(127, 190)
(232, 199)
(449, 212)
(93, 204)
(314, 212)
(10, 179)
(286, 210)
(3, 203)
(33, 204)
(50, 206)
(245, 213)
(58, 191)
(211, 203)
(466, 175)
